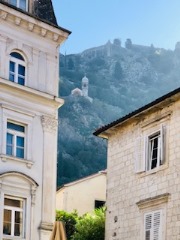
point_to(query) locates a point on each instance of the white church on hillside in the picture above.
(29, 62)
(84, 91)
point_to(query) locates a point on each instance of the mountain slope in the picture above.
(121, 79)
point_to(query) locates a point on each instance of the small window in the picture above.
(22, 4)
(99, 204)
(17, 68)
(150, 151)
(13, 217)
(154, 151)
(15, 140)
(152, 226)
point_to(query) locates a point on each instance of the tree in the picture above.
(91, 226)
(117, 71)
(128, 43)
(70, 64)
(70, 220)
(117, 42)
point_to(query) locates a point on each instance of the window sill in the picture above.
(13, 238)
(153, 171)
(5, 158)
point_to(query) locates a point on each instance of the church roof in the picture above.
(85, 79)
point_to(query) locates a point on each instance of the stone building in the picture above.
(29, 62)
(143, 175)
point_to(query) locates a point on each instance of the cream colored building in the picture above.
(29, 63)
(143, 175)
(83, 195)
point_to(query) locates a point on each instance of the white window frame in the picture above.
(17, 62)
(18, 4)
(160, 136)
(151, 141)
(19, 186)
(13, 210)
(142, 148)
(9, 114)
(16, 134)
(153, 224)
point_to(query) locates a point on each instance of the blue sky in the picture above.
(94, 22)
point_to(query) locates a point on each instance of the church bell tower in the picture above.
(85, 86)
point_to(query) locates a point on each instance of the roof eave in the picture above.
(35, 17)
(108, 130)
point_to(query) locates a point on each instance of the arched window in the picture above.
(17, 68)
(22, 4)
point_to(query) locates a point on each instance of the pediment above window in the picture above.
(153, 201)
(17, 179)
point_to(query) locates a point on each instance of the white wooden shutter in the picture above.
(139, 164)
(152, 226)
(163, 145)
(157, 225)
(148, 226)
(146, 152)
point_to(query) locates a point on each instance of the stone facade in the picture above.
(136, 193)
(29, 62)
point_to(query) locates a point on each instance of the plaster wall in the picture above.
(81, 195)
(41, 56)
(33, 105)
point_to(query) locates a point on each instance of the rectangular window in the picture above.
(21, 74)
(13, 217)
(154, 151)
(13, 2)
(11, 71)
(152, 225)
(16, 72)
(99, 204)
(22, 4)
(15, 140)
(150, 150)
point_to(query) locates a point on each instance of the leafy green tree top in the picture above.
(70, 220)
(91, 226)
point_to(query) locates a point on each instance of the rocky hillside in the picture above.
(121, 79)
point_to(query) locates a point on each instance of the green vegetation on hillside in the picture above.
(120, 81)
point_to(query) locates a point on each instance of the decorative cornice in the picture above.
(49, 124)
(20, 174)
(157, 118)
(26, 92)
(154, 201)
(28, 23)
(5, 158)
